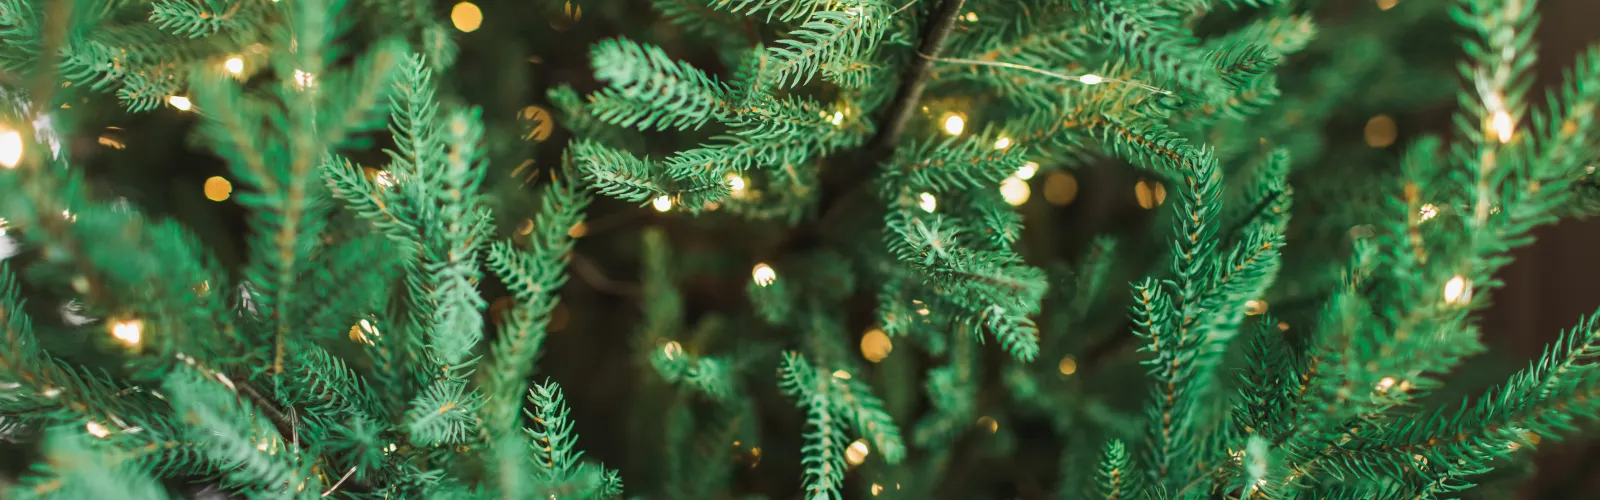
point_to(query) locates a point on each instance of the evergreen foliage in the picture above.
(856, 167)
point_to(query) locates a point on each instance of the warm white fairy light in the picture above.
(10, 147)
(1385, 384)
(97, 430)
(128, 332)
(857, 452)
(1455, 290)
(1428, 211)
(763, 274)
(1090, 79)
(304, 79)
(735, 183)
(1015, 191)
(672, 350)
(838, 118)
(1002, 143)
(662, 203)
(841, 375)
(1502, 124)
(180, 102)
(1027, 170)
(234, 65)
(927, 202)
(954, 123)
(876, 489)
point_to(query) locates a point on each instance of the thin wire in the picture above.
(1051, 74)
(903, 7)
(341, 481)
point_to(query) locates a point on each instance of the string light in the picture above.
(1502, 124)
(218, 188)
(180, 102)
(1015, 191)
(735, 183)
(672, 350)
(1428, 211)
(927, 202)
(128, 332)
(1068, 365)
(857, 452)
(875, 345)
(10, 147)
(876, 489)
(360, 333)
(234, 65)
(954, 123)
(972, 17)
(1090, 79)
(763, 274)
(304, 79)
(1380, 131)
(1027, 170)
(1149, 193)
(662, 203)
(1387, 4)
(1255, 307)
(1385, 384)
(838, 118)
(1455, 290)
(1002, 143)
(841, 375)
(466, 16)
(97, 430)
(989, 423)
(1086, 79)
(1060, 189)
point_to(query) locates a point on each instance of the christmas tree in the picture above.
(776, 249)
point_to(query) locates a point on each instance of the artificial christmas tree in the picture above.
(842, 288)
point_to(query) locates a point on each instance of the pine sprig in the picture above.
(648, 90)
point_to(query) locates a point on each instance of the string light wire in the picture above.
(1051, 74)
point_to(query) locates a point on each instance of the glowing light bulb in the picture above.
(385, 179)
(97, 430)
(1068, 365)
(857, 452)
(1385, 384)
(876, 489)
(988, 422)
(1002, 143)
(1502, 125)
(735, 183)
(1428, 211)
(234, 65)
(1015, 191)
(1090, 79)
(180, 102)
(304, 79)
(875, 345)
(841, 375)
(1455, 290)
(662, 203)
(838, 118)
(1255, 307)
(954, 123)
(927, 202)
(128, 332)
(10, 148)
(763, 274)
(1027, 170)
(218, 188)
(672, 350)
(466, 16)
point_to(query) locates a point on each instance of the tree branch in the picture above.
(907, 99)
